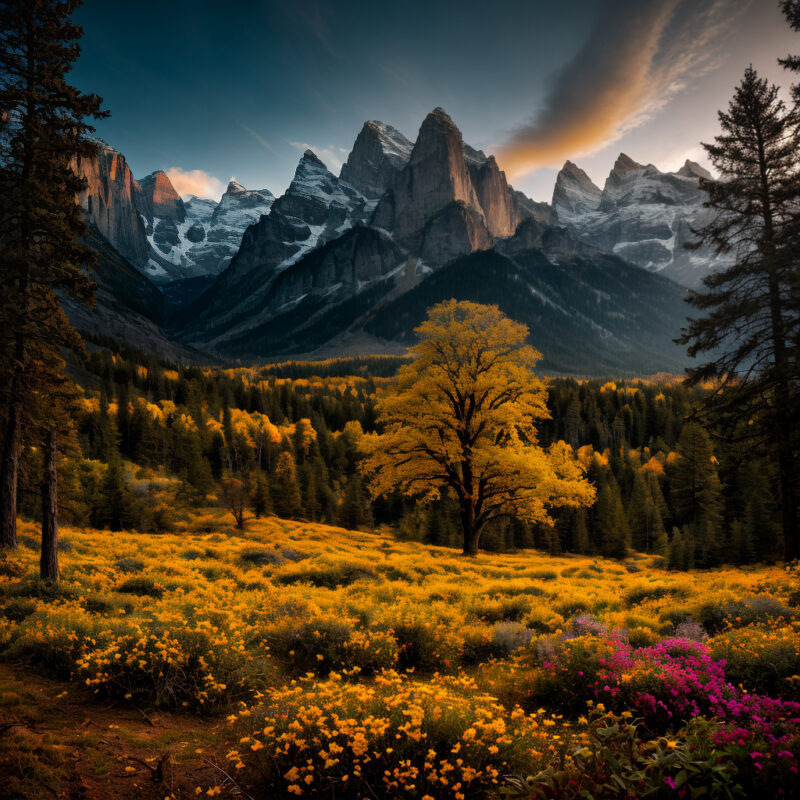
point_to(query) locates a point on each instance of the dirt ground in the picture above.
(58, 740)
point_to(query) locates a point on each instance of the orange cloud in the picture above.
(640, 53)
(195, 181)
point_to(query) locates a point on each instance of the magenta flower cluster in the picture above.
(677, 679)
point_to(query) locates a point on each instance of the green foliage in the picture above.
(142, 586)
(618, 761)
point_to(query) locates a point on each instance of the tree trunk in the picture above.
(791, 534)
(8, 478)
(48, 566)
(470, 529)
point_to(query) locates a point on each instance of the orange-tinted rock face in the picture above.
(110, 203)
(449, 199)
(494, 197)
(159, 198)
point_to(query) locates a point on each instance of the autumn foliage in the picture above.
(462, 418)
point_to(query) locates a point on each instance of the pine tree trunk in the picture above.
(8, 478)
(782, 419)
(48, 568)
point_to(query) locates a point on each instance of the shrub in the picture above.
(329, 575)
(18, 610)
(689, 629)
(570, 607)
(176, 668)
(106, 604)
(765, 660)
(502, 608)
(649, 591)
(740, 613)
(542, 574)
(53, 640)
(640, 636)
(10, 567)
(143, 586)
(393, 738)
(424, 646)
(618, 759)
(128, 564)
(325, 644)
(260, 556)
(303, 646)
(508, 637)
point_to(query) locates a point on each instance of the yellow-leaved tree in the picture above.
(462, 415)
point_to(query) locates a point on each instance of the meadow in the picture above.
(306, 660)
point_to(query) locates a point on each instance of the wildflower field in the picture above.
(300, 660)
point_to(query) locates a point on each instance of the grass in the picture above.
(291, 615)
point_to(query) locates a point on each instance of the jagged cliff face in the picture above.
(150, 225)
(316, 208)
(335, 259)
(435, 178)
(110, 203)
(405, 211)
(159, 198)
(379, 153)
(450, 199)
(642, 214)
(163, 214)
(574, 193)
(213, 231)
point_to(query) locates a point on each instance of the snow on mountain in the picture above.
(642, 214)
(317, 208)
(574, 193)
(199, 236)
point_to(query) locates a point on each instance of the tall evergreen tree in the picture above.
(749, 325)
(42, 134)
(611, 523)
(287, 501)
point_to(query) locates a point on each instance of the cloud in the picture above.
(195, 181)
(257, 136)
(639, 54)
(330, 155)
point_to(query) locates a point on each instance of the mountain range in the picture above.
(349, 263)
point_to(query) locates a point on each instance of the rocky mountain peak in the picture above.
(379, 153)
(691, 169)
(435, 181)
(574, 193)
(310, 155)
(625, 164)
(235, 188)
(111, 200)
(159, 198)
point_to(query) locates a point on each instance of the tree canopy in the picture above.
(462, 417)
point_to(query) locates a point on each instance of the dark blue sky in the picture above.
(239, 88)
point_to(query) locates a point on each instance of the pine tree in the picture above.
(661, 547)
(116, 509)
(751, 325)
(741, 547)
(354, 512)
(285, 491)
(579, 532)
(43, 133)
(678, 551)
(259, 494)
(791, 10)
(611, 523)
(695, 485)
